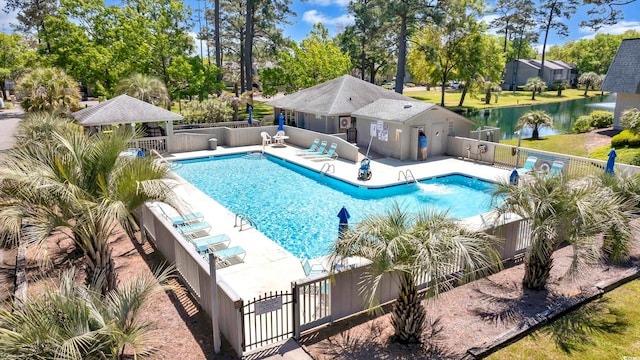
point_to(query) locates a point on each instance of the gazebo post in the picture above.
(169, 136)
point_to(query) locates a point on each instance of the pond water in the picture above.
(563, 113)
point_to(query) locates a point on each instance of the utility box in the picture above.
(213, 144)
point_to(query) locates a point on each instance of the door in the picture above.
(436, 140)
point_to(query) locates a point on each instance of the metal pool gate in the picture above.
(267, 319)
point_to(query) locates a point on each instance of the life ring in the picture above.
(544, 167)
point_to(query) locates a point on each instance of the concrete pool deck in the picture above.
(268, 266)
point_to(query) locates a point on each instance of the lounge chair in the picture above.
(266, 138)
(224, 256)
(528, 165)
(321, 148)
(312, 148)
(331, 154)
(207, 243)
(192, 228)
(310, 269)
(556, 168)
(180, 220)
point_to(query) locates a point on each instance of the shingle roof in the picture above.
(123, 109)
(339, 96)
(624, 72)
(399, 110)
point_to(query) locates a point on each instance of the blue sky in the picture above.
(333, 15)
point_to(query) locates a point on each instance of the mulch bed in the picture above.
(465, 317)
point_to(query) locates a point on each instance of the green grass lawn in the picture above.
(571, 144)
(608, 328)
(506, 98)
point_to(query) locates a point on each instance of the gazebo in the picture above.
(124, 109)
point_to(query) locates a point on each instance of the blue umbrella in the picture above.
(280, 122)
(344, 216)
(250, 111)
(514, 177)
(611, 162)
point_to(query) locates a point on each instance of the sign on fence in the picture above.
(268, 305)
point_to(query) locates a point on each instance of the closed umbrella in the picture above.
(250, 111)
(611, 162)
(281, 122)
(344, 216)
(514, 177)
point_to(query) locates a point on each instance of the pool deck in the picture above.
(268, 266)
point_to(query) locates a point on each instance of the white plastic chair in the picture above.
(266, 138)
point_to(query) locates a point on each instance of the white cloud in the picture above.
(487, 19)
(342, 3)
(196, 41)
(314, 17)
(616, 29)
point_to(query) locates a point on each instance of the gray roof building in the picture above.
(123, 109)
(624, 72)
(623, 78)
(340, 96)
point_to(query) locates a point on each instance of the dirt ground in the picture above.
(600, 137)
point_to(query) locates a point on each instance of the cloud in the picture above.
(616, 29)
(314, 17)
(196, 41)
(487, 19)
(341, 3)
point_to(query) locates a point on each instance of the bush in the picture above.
(601, 119)
(582, 124)
(207, 111)
(635, 160)
(625, 139)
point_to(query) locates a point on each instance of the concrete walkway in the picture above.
(9, 119)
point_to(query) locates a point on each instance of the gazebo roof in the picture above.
(340, 96)
(624, 72)
(123, 109)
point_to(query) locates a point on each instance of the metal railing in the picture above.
(244, 218)
(408, 176)
(326, 167)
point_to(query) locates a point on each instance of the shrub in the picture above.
(635, 160)
(601, 119)
(625, 139)
(582, 124)
(207, 111)
(631, 120)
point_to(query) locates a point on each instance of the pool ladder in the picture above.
(326, 167)
(244, 219)
(408, 176)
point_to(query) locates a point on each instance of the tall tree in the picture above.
(450, 43)
(406, 247)
(143, 87)
(318, 59)
(510, 15)
(31, 15)
(407, 13)
(15, 57)
(551, 15)
(588, 79)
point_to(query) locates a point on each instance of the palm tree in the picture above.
(144, 87)
(561, 210)
(81, 184)
(535, 119)
(588, 79)
(535, 84)
(48, 89)
(616, 244)
(408, 246)
(75, 322)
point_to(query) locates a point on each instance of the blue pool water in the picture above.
(298, 208)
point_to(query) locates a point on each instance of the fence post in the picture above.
(296, 310)
(214, 303)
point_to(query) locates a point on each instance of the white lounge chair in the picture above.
(224, 256)
(208, 243)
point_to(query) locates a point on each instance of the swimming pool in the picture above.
(298, 207)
